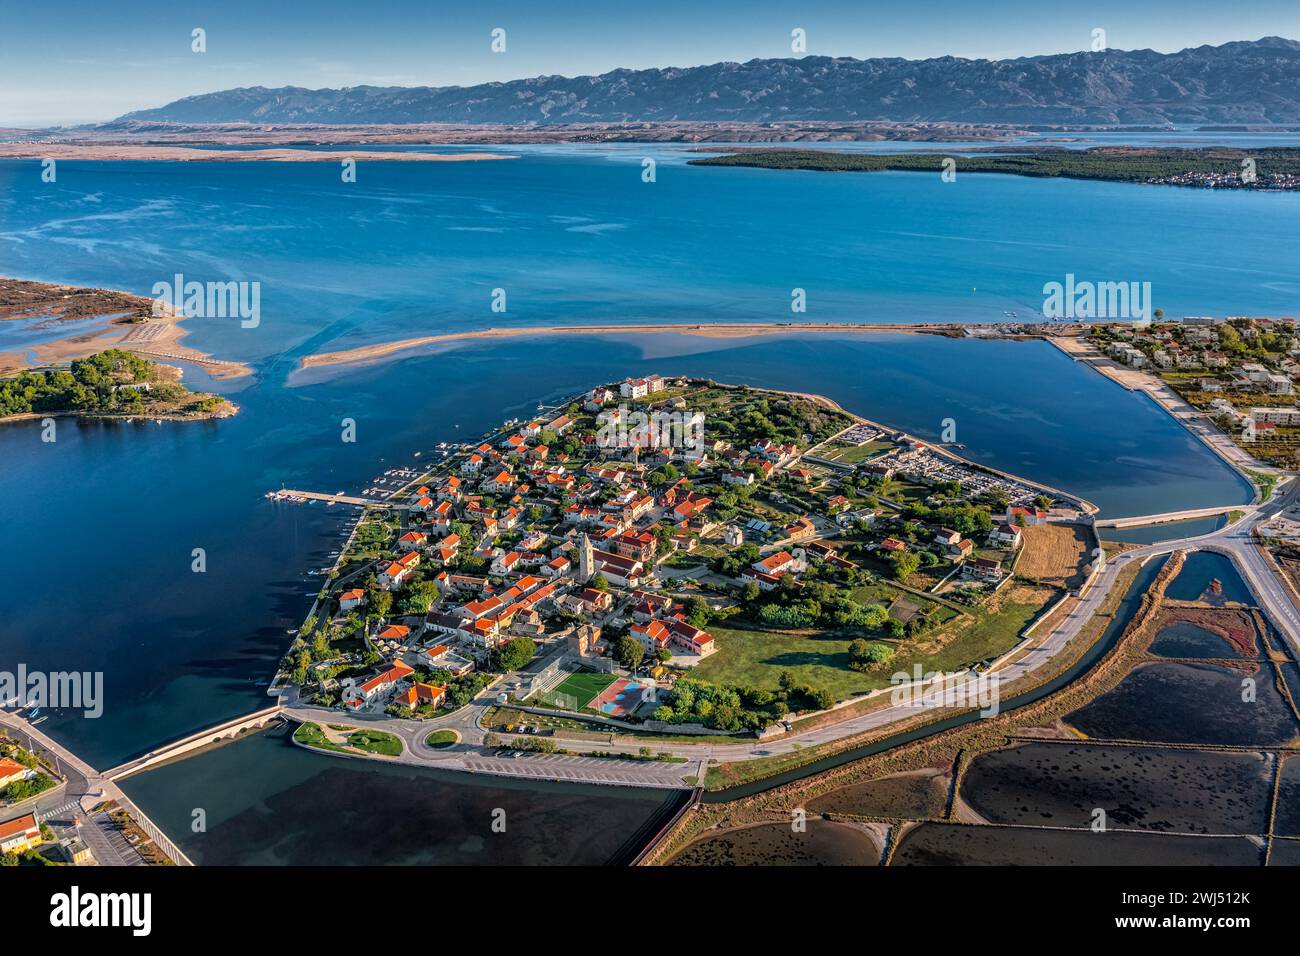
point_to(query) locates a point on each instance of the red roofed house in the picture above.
(393, 632)
(626, 572)
(419, 694)
(506, 563)
(19, 834)
(360, 694)
(349, 599)
(640, 546)
(1031, 516)
(653, 635)
(442, 516)
(412, 540)
(1005, 534)
(692, 639)
(502, 481)
(398, 571)
(778, 563)
(11, 771)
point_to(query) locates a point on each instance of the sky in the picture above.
(76, 61)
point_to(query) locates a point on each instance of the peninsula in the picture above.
(1273, 168)
(71, 322)
(110, 384)
(378, 351)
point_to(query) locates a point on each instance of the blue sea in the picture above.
(100, 526)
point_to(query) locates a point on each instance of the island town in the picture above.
(571, 574)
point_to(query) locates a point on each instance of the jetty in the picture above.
(286, 494)
(1141, 521)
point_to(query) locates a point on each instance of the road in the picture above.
(1235, 540)
(87, 787)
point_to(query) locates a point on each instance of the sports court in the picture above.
(576, 691)
(620, 698)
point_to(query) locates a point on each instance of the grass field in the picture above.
(582, 686)
(852, 454)
(376, 742)
(991, 636)
(311, 735)
(885, 594)
(757, 658)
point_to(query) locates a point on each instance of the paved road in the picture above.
(1235, 540)
(87, 787)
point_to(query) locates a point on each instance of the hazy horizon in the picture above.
(87, 63)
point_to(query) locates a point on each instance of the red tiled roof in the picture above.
(18, 825)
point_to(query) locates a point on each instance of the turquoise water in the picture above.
(576, 236)
(100, 525)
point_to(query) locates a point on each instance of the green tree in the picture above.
(380, 601)
(698, 612)
(301, 667)
(905, 564)
(630, 652)
(513, 654)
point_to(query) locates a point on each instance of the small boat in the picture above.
(39, 720)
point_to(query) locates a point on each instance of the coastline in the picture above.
(380, 351)
(1191, 419)
(158, 338)
(228, 409)
(183, 154)
(848, 726)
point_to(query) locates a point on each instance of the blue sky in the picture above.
(78, 61)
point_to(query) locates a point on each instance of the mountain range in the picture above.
(1242, 82)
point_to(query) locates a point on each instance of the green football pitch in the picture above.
(582, 687)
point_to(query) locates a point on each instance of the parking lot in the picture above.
(606, 770)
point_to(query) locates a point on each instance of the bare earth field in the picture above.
(1054, 554)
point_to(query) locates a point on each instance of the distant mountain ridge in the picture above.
(1243, 82)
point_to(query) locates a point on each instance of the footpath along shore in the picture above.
(1192, 419)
